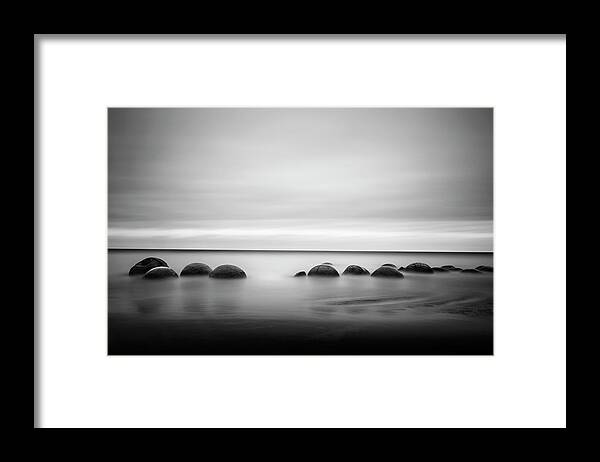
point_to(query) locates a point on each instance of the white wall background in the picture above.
(523, 384)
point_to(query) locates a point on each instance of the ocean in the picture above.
(271, 312)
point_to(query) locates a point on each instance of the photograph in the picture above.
(300, 231)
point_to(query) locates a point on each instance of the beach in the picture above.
(271, 312)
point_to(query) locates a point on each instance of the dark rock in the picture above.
(356, 270)
(160, 272)
(196, 269)
(451, 268)
(418, 268)
(387, 272)
(402, 268)
(438, 269)
(326, 263)
(471, 271)
(487, 269)
(227, 272)
(145, 265)
(323, 270)
(390, 265)
(300, 274)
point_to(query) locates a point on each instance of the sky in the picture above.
(301, 178)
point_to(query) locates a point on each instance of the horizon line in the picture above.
(296, 250)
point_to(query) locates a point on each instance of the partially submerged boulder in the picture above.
(323, 270)
(160, 272)
(418, 268)
(227, 272)
(196, 269)
(438, 269)
(470, 271)
(356, 270)
(487, 269)
(451, 268)
(145, 265)
(387, 272)
(300, 274)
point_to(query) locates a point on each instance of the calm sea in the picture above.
(272, 312)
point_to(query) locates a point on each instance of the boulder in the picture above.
(145, 265)
(438, 269)
(160, 272)
(327, 263)
(356, 270)
(387, 272)
(391, 265)
(487, 269)
(196, 269)
(470, 271)
(451, 268)
(300, 274)
(418, 268)
(227, 272)
(323, 270)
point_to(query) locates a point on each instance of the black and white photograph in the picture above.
(298, 231)
(313, 231)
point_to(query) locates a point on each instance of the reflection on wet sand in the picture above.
(275, 313)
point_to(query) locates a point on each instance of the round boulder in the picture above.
(227, 272)
(145, 265)
(387, 272)
(300, 274)
(419, 268)
(487, 269)
(323, 270)
(196, 269)
(438, 269)
(391, 265)
(160, 272)
(470, 271)
(355, 270)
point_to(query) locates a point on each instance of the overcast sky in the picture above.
(361, 179)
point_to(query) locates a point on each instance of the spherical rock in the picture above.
(227, 272)
(300, 274)
(487, 269)
(419, 268)
(323, 270)
(145, 265)
(160, 272)
(196, 269)
(387, 272)
(355, 270)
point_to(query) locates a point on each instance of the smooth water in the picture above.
(271, 312)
